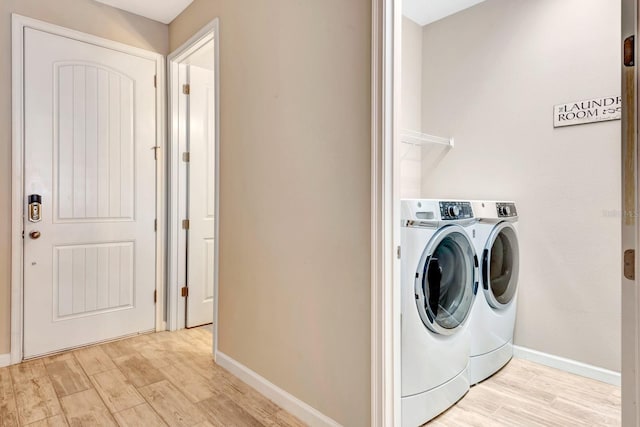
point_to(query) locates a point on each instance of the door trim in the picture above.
(176, 310)
(630, 303)
(385, 214)
(18, 24)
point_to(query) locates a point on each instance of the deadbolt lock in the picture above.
(34, 234)
(35, 207)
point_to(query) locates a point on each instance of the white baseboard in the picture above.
(290, 403)
(5, 360)
(568, 365)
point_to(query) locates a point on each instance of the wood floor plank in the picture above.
(116, 391)
(57, 358)
(285, 419)
(85, 408)
(221, 411)
(141, 415)
(8, 408)
(36, 400)
(157, 358)
(483, 400)
(188, 381)
(204, 365)
(94, 360)
(67, 376)
(57, 421)
(173, 406)
(26, 371)
(580, 391)
(587, 414)
(467, 418)
(138, 370)
(198, 336)
(258, 406)
(172, 343)
(120, 348)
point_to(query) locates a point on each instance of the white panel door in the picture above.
(201, 197)
(90, 129)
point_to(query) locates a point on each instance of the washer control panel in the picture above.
(506, 210)
(455, 210)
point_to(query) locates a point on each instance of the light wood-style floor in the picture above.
(527, 394)
(167, 378)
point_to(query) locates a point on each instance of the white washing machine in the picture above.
(494, 312)
(439, 282)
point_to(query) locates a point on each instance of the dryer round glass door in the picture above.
(445, 280)
(500, 265)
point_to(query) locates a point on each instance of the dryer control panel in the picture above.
(455, 210)
(506, 210)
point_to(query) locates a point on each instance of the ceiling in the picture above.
(425, 12)
(159, 10)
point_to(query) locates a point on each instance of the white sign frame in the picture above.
(588, 111)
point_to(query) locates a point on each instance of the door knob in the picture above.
(34, 234)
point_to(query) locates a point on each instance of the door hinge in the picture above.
(398, 252)
(185, 224)
(630, 264)
(186, 89)
(629, 51)
(155, 152)
(186, 156)
(155, 80)
(155, 225)
(184, 291)
(155, 296)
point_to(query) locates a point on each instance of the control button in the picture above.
(453, 210)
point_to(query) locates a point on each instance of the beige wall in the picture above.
(411, 108)
(492, 75)
(82, 15)
(295, 194)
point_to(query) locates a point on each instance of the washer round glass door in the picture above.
(445, 280)
(500, 265)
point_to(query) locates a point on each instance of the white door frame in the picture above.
(385, 219)
(176, 307)
(629, 224)
(18, 24)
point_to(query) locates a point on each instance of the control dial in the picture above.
(505, 210)
(453, 211)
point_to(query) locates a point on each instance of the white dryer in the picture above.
(494, 312)
(439, 282)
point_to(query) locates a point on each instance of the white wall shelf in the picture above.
(412, 137)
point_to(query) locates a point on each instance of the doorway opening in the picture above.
(449, 95)
(194, 186)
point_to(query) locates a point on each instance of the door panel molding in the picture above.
(18, 207)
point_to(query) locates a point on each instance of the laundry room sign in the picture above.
(588, 111)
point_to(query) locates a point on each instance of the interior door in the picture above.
(90, 129)
(201, 196)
